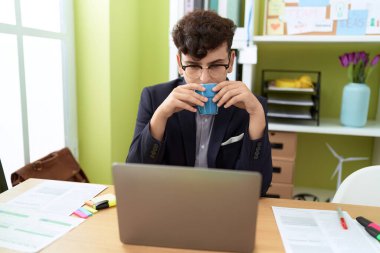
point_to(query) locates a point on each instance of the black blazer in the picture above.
(178, 145)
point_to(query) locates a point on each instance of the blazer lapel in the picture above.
(221, 123)
(187, 124)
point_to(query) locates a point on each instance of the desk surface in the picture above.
(100, 232)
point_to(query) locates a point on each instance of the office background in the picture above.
(122, 46)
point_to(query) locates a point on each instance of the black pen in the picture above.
(373, 232)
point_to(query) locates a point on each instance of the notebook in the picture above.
(184, 207)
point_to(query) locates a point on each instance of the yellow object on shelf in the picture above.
(302, 82)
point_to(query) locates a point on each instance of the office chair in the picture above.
(360, 188)
(3, 181)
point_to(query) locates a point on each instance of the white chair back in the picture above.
(360, 188)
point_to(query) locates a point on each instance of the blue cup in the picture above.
(210, 107)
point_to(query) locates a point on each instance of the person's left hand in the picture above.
(236, 93)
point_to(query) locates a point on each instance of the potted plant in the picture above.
(356, 94)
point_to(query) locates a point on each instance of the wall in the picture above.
(117, 56)
(93, 82)
(154, 42)
(124, 69)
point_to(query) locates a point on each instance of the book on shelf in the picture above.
(191, 5)
(227, 8)
(213, 5)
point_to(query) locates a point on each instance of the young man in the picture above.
(169, 130)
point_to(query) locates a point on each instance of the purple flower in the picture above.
(344, 60)
(351, 57)
(363, 56)
(357, 57)
(358, 65)
(375, 60)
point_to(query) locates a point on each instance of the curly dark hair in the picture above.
(200, 31)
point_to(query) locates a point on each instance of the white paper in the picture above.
(323, 26)
(29, 231)
(339, 10)
(359, 4)
(56, 197)
(304, 19)
(290, 115)
(300, 102)
(306, 90)
(373, 21)
(299, 26)
(276, 7)
(310, 230)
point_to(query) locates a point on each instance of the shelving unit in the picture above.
(241, 41)
(316, 39)
(329, 126)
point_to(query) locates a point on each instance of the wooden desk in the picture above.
(100, 233)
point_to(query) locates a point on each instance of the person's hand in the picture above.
(236, 93)
(181, 98)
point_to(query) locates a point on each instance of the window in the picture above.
(37, 80)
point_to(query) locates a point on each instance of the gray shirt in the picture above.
(204, 125)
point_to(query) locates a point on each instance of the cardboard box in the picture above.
(283, 171)
(278, 190)
(284, 145)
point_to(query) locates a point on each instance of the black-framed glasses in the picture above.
(214, 70)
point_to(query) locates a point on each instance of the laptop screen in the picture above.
(3, 182)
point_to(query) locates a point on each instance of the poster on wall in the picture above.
(322, 17)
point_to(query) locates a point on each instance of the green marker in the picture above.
(373, 232)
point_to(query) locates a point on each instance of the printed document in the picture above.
(56, 197)
(30, 231)
(310, 230)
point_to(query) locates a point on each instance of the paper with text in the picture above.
(304, 19)
(339, 9)
(356, 23)
(56, 197)
(29, 231)
(310, 230)
(373, 20)
(276, 7)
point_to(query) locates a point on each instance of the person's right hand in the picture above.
(181, 98)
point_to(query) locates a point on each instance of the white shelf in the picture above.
(330, 126)
(316, 38)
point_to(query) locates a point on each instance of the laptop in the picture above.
(184, 207)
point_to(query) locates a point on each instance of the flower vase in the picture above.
(355, 103)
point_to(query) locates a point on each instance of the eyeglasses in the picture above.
(214, 70)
